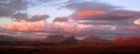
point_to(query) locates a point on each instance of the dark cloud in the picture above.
(90, 5)
(38, 18)
(125, 22)
(104, 15)
(8, 7)
(134, 28)
(20, 16)
(24, 16)
(60, 19)
(5, 12)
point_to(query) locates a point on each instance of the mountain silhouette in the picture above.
(118, 40)
(94, 39)
(60, 39)
(7, 38)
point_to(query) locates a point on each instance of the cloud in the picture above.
(61, 19)
(25, 26)
(87, 13)
(20, 16)
(137, 22)
(104, 15)
(94, 10)
(100, 13)
(9, 7)
(24, 16)
(125, 22)
(1, 27)
(88, 18)
(5, 11)
(88, 5)
(132, 29)
(38, 17)
(72, 27)
(69, 27)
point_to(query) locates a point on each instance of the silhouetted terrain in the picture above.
(7, 38)
(75, 49)
(131, 40)
(60, 39)
(94, 39)
(59, 44)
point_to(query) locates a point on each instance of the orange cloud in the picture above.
(26, 26)
(68, 27)
(137, 22)
(87, 13)
(72, 26)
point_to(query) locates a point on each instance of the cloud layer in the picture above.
(61, 19)
(88, 18)
(24, 16)
(9, 7)
(25, 26)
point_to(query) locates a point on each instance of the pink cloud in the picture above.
(137, 22)
(64, 27)
(26, 26)
(125, 15)
(68, 27)
(1, 27)
(72, 26)
(87, 13)
(102, 15)
(61, 19)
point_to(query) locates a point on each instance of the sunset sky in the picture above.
(81, 18)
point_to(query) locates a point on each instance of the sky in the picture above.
(37, 19)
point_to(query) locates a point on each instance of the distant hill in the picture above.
(12, 41)
(118, 40)
(131, 40)
(62, 40)
(7, 38)
(95, 39)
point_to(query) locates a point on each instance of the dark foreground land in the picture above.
(73, 49)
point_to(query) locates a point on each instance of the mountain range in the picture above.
(131, 40)
(63, 40)
(60, 39)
